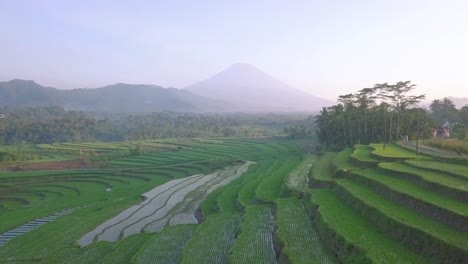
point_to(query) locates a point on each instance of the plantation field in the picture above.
(235, 200)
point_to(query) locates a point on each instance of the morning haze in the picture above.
(326, 48)
(233, 132)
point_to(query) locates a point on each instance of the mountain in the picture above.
(26, 93)
(459, 101)
(118, 98)
(249, 89)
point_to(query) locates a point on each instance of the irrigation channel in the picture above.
(172, 203)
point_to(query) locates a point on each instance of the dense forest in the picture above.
(384, 113)
(54, 124)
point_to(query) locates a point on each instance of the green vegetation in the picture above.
(300, 242)
(354, 237)
(94, 253)
(271, 187)
(396, 207)
(413, 229)
(366, 205)
(451, 211)
(166, 246)
(362, 154)
(381, 113)
(220, 230)
(322, 168)
(443, 167)
(98, 194)
(343, 160)
(430, 176)
(52, 124)
(63, 255)
(124, 250)
(255, 242)
(392, 151)
(247, 192)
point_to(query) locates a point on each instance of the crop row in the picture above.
(255, 242)
(353, 237)
(416, 231)
(166, 246)
(212, 239)
(438, 182)
(300, 242)
(432, 204)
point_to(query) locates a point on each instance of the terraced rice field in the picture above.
(409, 210)
(300, 240)
(255, 242)
(212, 239)
(147, 193)
(237, 200)
(166, 246)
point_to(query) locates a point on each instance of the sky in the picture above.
(326, 47)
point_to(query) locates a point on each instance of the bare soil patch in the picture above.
(52, 165)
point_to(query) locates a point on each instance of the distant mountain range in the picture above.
(117, 98)
(240, 88)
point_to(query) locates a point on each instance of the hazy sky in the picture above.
(324, 47)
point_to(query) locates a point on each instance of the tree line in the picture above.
(384, 113)
(54, 124)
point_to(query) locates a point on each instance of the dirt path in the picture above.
(428, 150)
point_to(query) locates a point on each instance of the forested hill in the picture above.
(118, 98)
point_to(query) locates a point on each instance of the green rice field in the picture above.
(232, 200)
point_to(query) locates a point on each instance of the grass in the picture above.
(363, 155)
(342, 160)
(430, 176)
(124, 250)
(439, 166)
(321, 170)
(63, 255)
(392, 151)
(94, 253)
(255, 242)
(355, 230)
(247, 192)
(398, 185)
(416, 230)
(271, 186)
(300, 242)
(227, 201)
